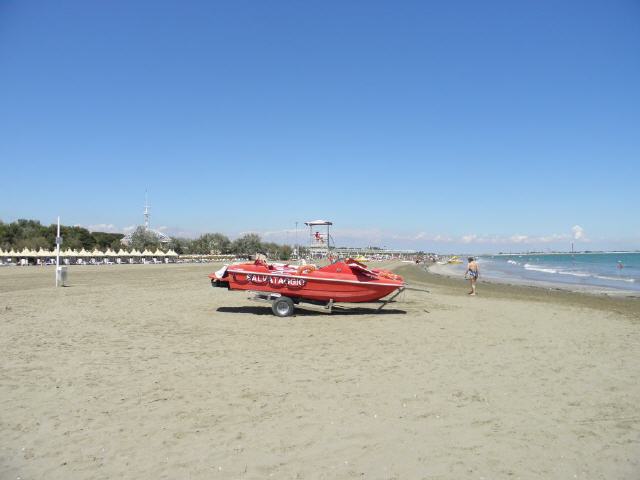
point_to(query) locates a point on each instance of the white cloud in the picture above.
(469, 238)
(378, 237)
(442, 238)
(554, 237)
(103, 227)
(578, 233)
(519, 238)
(362, 237)
(276, 233)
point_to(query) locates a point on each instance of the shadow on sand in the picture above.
(303, 312)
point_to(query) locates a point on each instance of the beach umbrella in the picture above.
(13, 253)
(147, 253)
(159, 253)
(171, 253)
(123, 253)
(110, 253)
(135, 253)
(26, 253)
(2, 253)
(97, 253)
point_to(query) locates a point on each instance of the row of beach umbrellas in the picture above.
(27, 253)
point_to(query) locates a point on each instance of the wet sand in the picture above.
(148, 372)
(626, 303)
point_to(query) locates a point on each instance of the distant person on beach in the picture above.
(620, 265)
(472, 274)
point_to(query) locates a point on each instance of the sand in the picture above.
(143, 372)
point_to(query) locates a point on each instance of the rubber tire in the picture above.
(283, 307)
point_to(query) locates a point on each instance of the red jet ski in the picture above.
(343, 281)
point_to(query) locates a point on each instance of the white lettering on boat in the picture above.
(276, 281)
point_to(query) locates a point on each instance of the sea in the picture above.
(588, 271)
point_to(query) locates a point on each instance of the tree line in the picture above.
(244, 246)
(33, 235)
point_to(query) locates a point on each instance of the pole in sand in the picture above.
(58, 243)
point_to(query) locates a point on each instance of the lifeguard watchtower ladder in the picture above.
(319, 239)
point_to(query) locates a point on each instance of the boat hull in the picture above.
(319, 285)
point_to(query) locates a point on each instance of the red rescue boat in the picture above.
(343, 281)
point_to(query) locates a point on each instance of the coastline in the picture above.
(452, 284)
(451, 271)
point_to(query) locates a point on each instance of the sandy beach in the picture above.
(145, 371)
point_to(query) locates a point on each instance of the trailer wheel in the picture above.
(282, 307)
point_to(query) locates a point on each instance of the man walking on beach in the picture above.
(472, 274)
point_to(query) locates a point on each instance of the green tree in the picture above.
(76, 238)
(32, 243)
(247, 245)
(211, 243)
(104, 240)
(284, 252)
(116, 243)
(142, 239)
(182, 246)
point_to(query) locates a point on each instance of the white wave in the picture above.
(628, 280)
(539, 269)
(536, 268)
(575, 274)
(513, 262)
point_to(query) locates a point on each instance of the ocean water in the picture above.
(606, 271)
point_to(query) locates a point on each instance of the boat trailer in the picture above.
(283, 306)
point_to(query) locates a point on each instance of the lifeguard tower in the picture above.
(319, 238)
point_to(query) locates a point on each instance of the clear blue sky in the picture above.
(434, 125)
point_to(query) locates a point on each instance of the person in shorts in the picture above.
(472, 273)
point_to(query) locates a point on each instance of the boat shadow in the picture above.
(303, 312)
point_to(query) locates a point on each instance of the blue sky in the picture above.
(447, 126)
